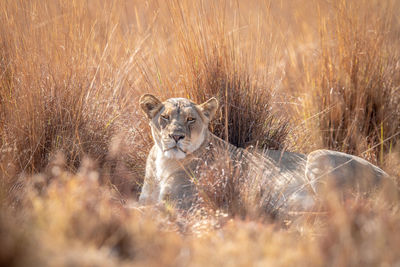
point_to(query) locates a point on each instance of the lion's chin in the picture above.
(175, 153)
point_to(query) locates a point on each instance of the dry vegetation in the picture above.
(296, 74)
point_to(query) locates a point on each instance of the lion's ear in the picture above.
(209, 108)
(150, 105)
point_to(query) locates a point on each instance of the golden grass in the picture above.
(289, 74)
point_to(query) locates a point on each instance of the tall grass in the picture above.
(357, 79)
(216, 62)
(61, 89)
(349, 81)
(298, 75)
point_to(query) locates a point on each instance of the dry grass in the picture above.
(358, 80)
(289, 74)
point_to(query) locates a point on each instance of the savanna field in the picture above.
(296, 75)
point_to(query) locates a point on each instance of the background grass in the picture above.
(298, 75)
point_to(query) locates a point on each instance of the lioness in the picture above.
(180, 132)
(182, 142)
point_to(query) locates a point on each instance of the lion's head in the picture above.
(178, 126)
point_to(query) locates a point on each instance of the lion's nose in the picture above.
(177, 137)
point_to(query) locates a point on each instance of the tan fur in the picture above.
(331, 168)
(183, 143)
(170, 161)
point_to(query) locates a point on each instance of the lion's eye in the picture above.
(165, 117)
(191, 120)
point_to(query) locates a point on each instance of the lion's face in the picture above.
(178, 125)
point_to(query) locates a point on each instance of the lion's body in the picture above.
(183, 144)
(332, 168)
(169, 178)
